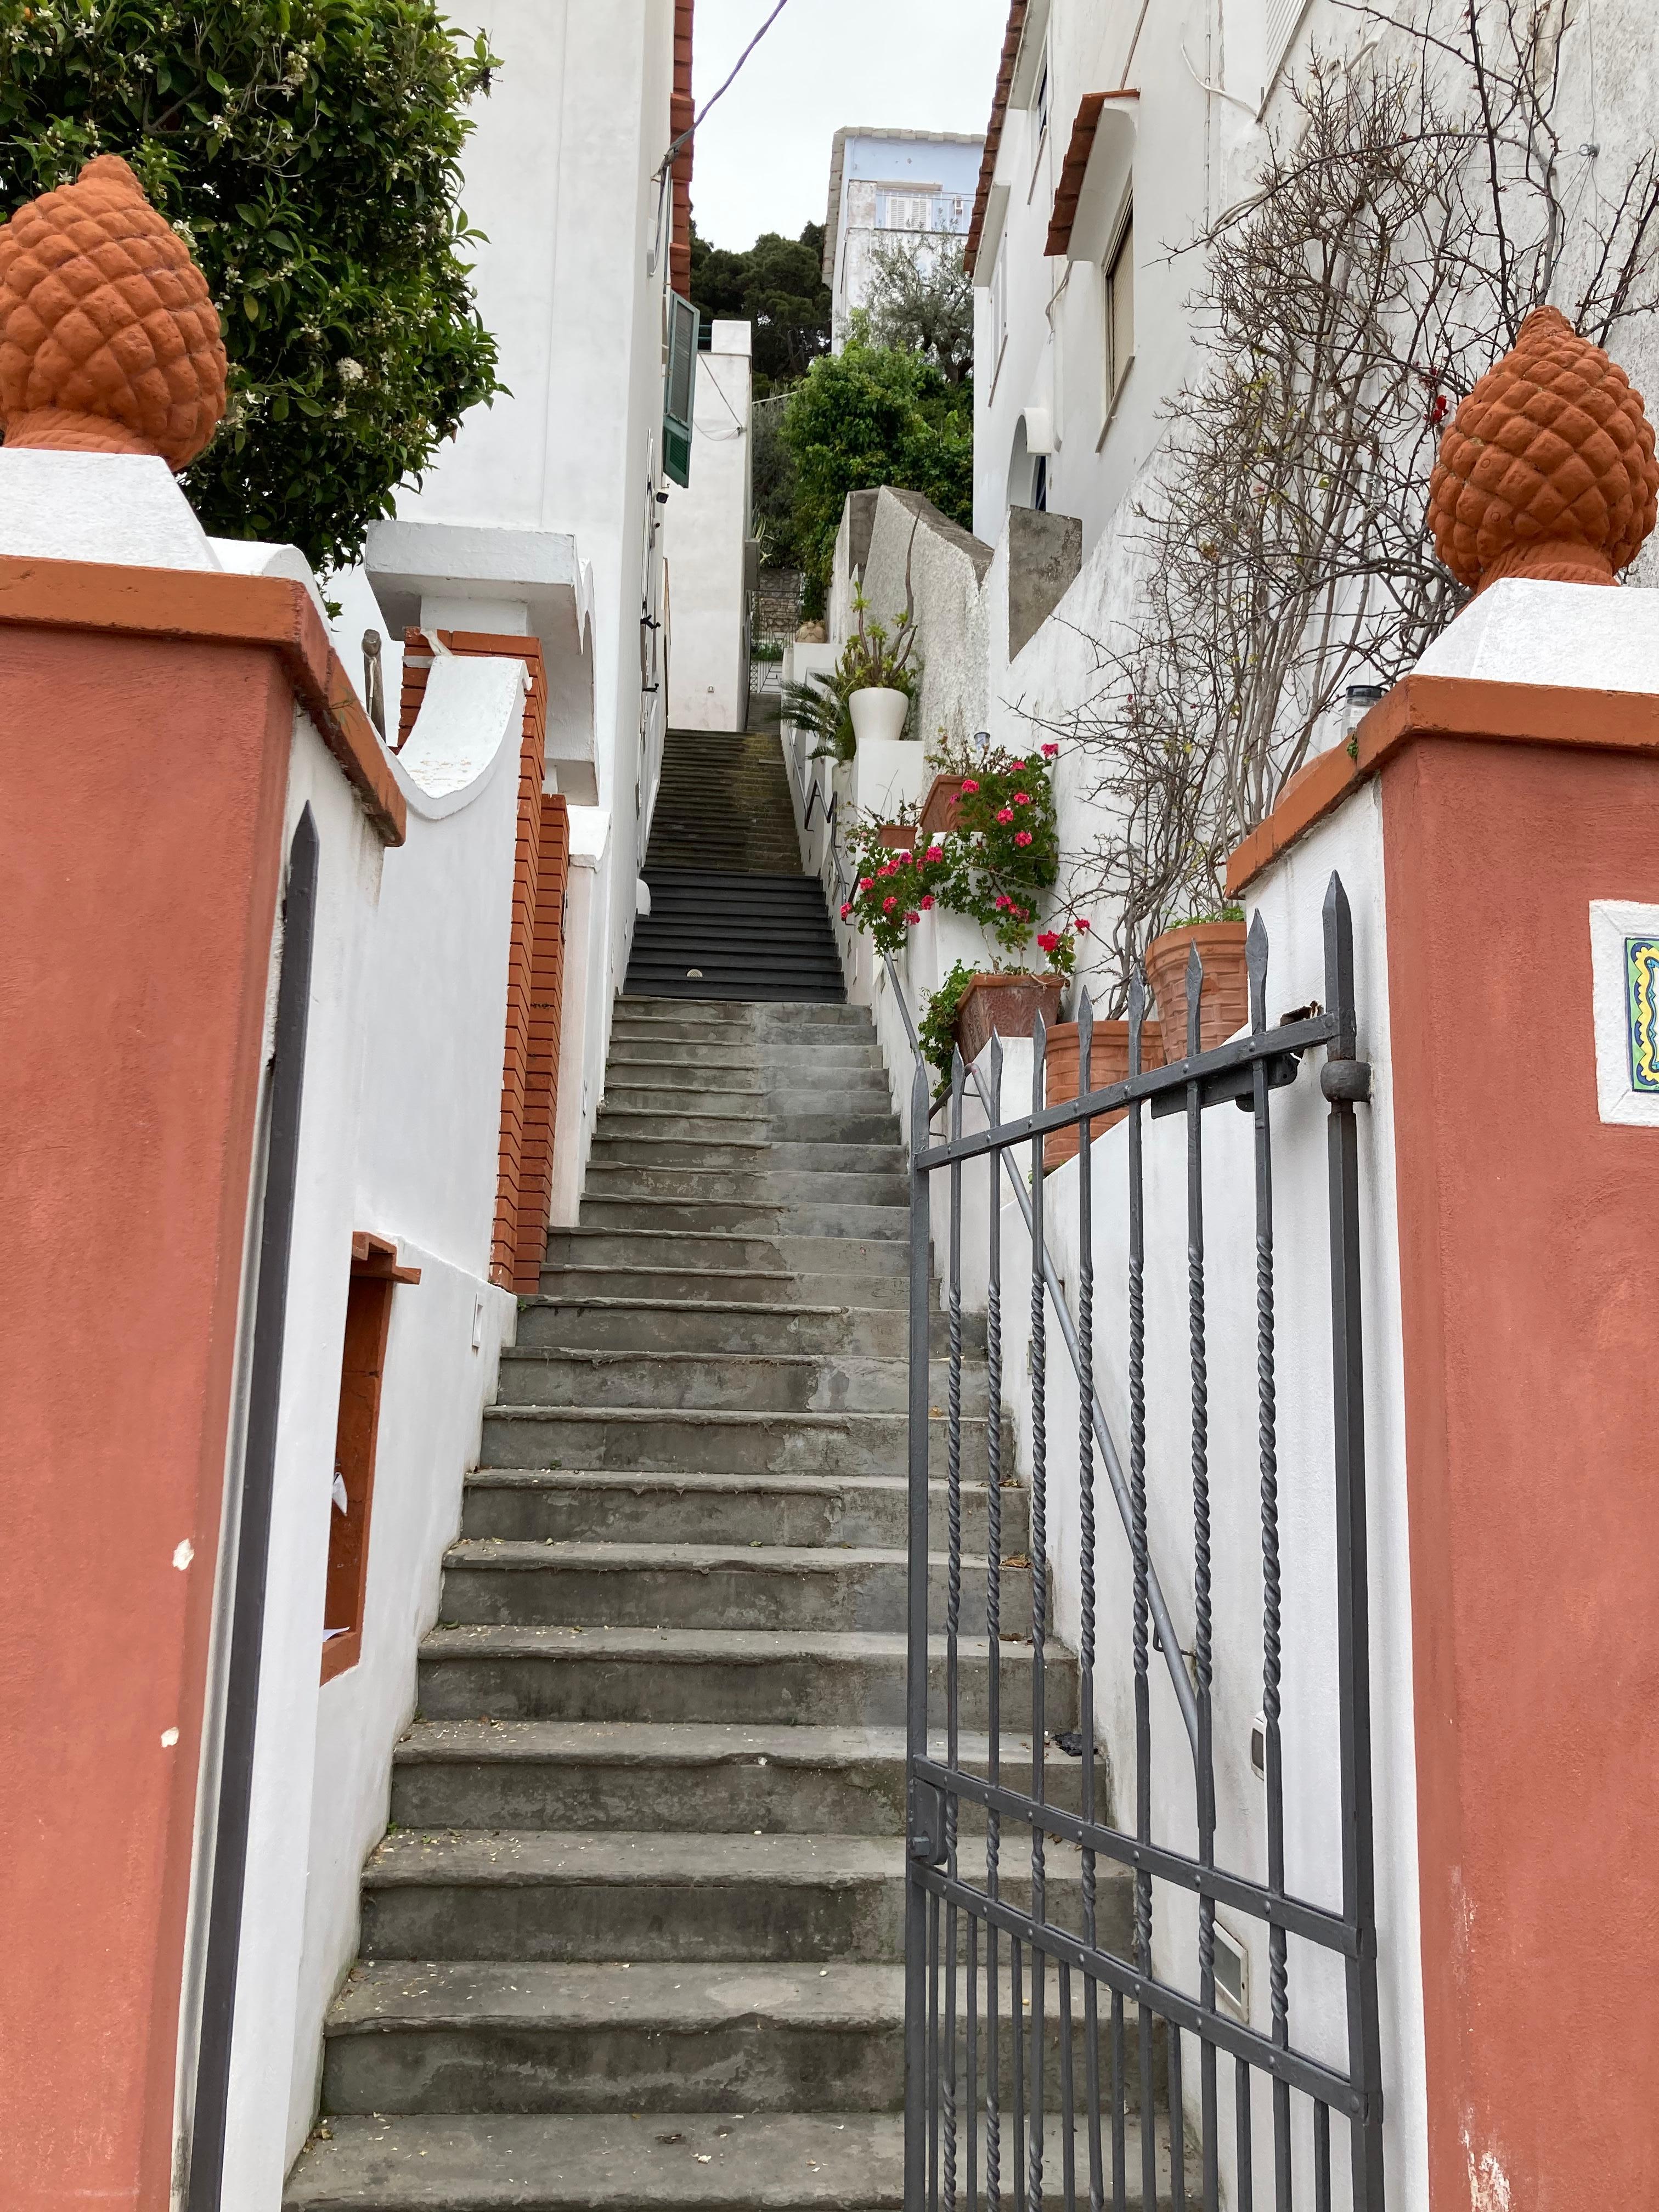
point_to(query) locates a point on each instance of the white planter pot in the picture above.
(878, 714)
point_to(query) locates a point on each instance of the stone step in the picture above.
(662, 2162)
(611, 1179)
(736, 1677)
(749, 2036)
(559, 1505)
(741, 1060)
(694, 1286)
(719, 1441)
(639, 1148)
(853, 1095)
(650, 1896)
(729, 1249)
(730, 1325)
(636, 1014)
(718, 1778)
(770, 1381)
(825, 1217)
(791, 1117)
(814, 1589)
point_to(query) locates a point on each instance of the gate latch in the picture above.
(927, 1824)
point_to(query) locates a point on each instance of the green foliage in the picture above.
(936, 1032)
(873, 656)
(922, 298)
(994, 867)
(872, 415)
(893, 890)
(778, 285)
(309, 151)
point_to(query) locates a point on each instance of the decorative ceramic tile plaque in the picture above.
(1624, 964)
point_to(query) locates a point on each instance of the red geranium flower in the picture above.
(1022, 837)
(968, 785)
(913, 917)
(1004, 814)
(1022, 799)
(866, 883)
(1083, 925)
(1049, 940)
(889, 905)
(1018, 763)
(1003, 900)
(846, 909)
(927, 902)
(1050, 752)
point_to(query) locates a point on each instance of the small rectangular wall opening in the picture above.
(375, 1275)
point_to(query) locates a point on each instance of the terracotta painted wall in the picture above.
(1531, 1335)
(144, 783)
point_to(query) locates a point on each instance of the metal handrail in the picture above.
(1173, 1659)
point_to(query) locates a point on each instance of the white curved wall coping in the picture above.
(471, 708)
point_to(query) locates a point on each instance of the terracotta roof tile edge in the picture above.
(216, 609)
(1074, 169)
(1469, 707)
(988, 167)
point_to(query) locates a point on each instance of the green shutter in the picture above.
(680, 391)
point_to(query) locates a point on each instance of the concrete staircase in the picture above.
(635, 1938)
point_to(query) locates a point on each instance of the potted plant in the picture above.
(1224, 1006)
(877, 673)
(891, 889)
(1108, 1058)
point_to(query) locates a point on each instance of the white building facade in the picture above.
(889, 188)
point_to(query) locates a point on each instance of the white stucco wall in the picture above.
(706, 525)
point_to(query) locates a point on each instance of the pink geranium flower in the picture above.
(936, 852)
(846, 909)
(1022, 799)
(927, 904)
(1083, 925)
(913, 917)
(1004, 814)
(968, 785)
(1050, 752)
(1022, 837)
(866, 883)
(888, 905)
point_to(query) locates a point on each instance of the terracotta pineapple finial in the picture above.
(1548, 468)
(108, 341)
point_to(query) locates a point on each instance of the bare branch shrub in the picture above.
(1408, 214)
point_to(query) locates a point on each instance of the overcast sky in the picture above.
(763, 155)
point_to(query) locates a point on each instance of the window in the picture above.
(1040, 484)
(1040, 111)
(679, 392)
(375, 1275)
(908, 211)
(1120, 310)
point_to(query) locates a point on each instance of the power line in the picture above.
(669, 157)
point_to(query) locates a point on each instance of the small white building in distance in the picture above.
(705, 537)
(885, 185)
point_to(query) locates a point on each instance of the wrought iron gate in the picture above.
(986, 2121)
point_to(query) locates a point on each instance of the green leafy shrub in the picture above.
(936, 1032)
(893, 890)
(309, 152)
(871, 415)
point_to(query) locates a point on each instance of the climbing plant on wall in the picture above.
(309, 151)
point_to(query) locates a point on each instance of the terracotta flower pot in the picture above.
(899, 836)
(938, 808)
(1226, 1001)
(1107, 1063)
(1007, 1006)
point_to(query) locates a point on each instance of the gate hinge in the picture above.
(927, 1824)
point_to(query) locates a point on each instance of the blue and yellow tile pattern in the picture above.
(1642, 988)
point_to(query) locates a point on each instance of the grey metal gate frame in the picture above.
(944, 2036)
